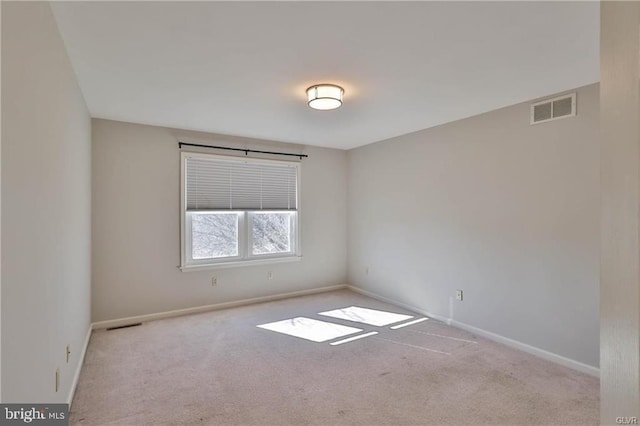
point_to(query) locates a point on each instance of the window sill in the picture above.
(240, 263)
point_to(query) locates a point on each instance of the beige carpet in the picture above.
(217, 368)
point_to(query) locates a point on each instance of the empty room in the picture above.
(320, 213)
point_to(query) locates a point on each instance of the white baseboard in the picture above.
(206, 308)
(76, 376)
(395, 302)
(549, 356)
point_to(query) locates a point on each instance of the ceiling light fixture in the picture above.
(324, 96)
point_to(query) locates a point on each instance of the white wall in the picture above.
(505, 211)
(136, 225)
(620, 275)
(46, 201)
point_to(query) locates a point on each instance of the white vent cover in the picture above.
(553, 109)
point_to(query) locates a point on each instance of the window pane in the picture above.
(214, 235)
(271, 233)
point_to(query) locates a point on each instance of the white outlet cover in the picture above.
(310, 329)
(366, 316)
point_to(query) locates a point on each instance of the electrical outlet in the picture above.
(214, 281)
(270, 275)
(459, 295)
(68, 353)
(57, 379)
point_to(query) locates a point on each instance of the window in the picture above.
(238, 210)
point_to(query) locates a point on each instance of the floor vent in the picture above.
(124, 326)
(553, 109)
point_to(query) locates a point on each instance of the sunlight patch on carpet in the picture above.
(351, 339)
(366, 316)
(395, 327)
(310, 329)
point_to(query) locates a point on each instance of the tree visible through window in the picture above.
(271, 233)
(214, 235)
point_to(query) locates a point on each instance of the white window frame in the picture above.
(245, 256)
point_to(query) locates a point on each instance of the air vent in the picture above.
(553, 109)
(118, 327)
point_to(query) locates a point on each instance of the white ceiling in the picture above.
(241, 68)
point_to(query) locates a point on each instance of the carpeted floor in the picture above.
(218, 368)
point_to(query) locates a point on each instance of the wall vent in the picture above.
(553, 109)
(118, 327)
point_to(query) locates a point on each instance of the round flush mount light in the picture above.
(324, 96)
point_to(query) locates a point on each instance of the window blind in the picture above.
(218, 184)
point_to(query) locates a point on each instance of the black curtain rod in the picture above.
(246, 151)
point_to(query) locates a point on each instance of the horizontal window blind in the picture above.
(216, 184)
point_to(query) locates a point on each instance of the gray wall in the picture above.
(46, 202)
(620, 279)
(505, 211)
(136, 225)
